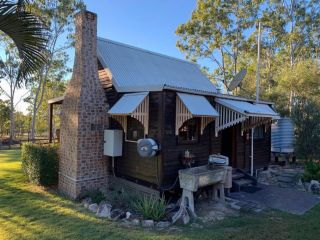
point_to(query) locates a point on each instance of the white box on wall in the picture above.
(113, 143)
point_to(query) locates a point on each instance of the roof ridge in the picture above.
(145, 50)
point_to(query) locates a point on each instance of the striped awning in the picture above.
(249, 109)
(128, 103)
(189, 106)
(198, 105)
(135, 105)
(248, 113)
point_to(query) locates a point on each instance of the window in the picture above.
(258, 132)
(189, 132)
(135, 130)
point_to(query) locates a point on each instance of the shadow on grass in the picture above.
(44, 216)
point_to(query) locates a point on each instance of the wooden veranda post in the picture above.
(50, 122)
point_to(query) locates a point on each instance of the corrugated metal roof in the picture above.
(248, 108)
(198, 105)
(134, 69)
(128, 103)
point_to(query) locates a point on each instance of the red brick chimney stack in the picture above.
(84, 116)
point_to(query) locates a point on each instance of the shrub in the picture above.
(40, 163)
(122, 198)
(311, 171)
(151, 207)
(95, 194)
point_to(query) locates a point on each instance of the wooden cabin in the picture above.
(171, 101)
(151, 95)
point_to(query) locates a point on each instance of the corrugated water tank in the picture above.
(282, 136)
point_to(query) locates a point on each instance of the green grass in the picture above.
(31, 212)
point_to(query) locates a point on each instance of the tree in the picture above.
(22, 123)
(303, 79)
(53, 89)
(9, 73)
(224, 33)
(27, 32)
(306, 116)
(296, 32)
(4, 116)
(216, 32)
(58, 16)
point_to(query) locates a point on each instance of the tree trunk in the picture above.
(33, 123)
(11, 122)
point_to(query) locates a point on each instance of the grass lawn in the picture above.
(31, 212)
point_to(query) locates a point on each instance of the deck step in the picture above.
(237, 175)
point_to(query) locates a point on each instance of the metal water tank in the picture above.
(282, 136)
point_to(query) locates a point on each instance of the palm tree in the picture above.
(27, 33)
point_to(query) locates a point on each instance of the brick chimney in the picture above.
(84, 116)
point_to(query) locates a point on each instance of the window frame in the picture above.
(260, 134)
(130, 119)
(189, 142)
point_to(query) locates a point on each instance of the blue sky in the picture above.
(149, 24)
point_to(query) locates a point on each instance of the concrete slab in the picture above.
(284, 199)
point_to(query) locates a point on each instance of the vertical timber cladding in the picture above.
(172, 151)
(130, 165)
(261, 149)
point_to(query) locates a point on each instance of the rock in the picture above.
(104, 210)
(163, 224)
(128, 215)
(126, 223)
(86, 202)
(306, 186)
(314, 187)
(300, 186)
(135, 222)
(93, 207)
(117, 214)
(264, 176)
(147, 223)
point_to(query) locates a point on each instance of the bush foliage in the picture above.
(40, 163)
(311, 171)
(306, 116)
(96, 195)
(151, 207)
